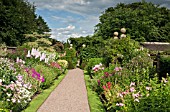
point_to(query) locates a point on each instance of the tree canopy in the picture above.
(17, 17)
(143, 21)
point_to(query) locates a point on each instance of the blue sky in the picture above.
(75, 18)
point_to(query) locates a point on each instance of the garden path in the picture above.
(69, 96)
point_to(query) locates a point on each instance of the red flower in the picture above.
(106, 74)
(109, 84)
(104, 87)
(56, 65)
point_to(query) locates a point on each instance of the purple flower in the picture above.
(42, 79)
(98, 81)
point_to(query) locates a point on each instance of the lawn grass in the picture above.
(38, 100)
(93, 98)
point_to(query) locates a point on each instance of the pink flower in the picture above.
(19, 77)
(20, 60)
(135, 95)
(97, 67)
(120, 104)
(124, 93)
(148, 88)
(104, 87)
(0, 82)
(132, 89)
(116, 69)
(132, 84)
(42, 79)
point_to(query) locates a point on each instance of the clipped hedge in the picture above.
(164, 65)
(70, 58)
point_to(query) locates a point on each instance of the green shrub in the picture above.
(91, 63)
(121, 50)
(138, 66)
(4, 110)
(70, 58)
(20, 51)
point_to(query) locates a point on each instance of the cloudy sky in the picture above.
(74, 18)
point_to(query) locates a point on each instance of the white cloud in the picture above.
(89, 10)
(62, 34)
(84, 7)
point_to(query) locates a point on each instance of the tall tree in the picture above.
(17, 17)
(42, 25)
(144, 21)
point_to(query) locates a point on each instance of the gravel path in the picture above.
(69, 96)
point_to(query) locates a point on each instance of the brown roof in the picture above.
(156, 46)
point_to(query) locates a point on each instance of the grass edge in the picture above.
(93, 99)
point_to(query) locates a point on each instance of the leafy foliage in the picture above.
(17, 17)
(143, 21)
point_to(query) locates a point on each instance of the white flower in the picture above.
(0, 80)
(148, 88)
(29, 54)
(23, 62)
(8, 94)
(33, 52)
(17, 60)
(37, 54)
(8, 99)
(19, 83)
(29, 99)
(13, 100)
(46, 60)
(137, 100)
(25, 101)
(42, 57)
